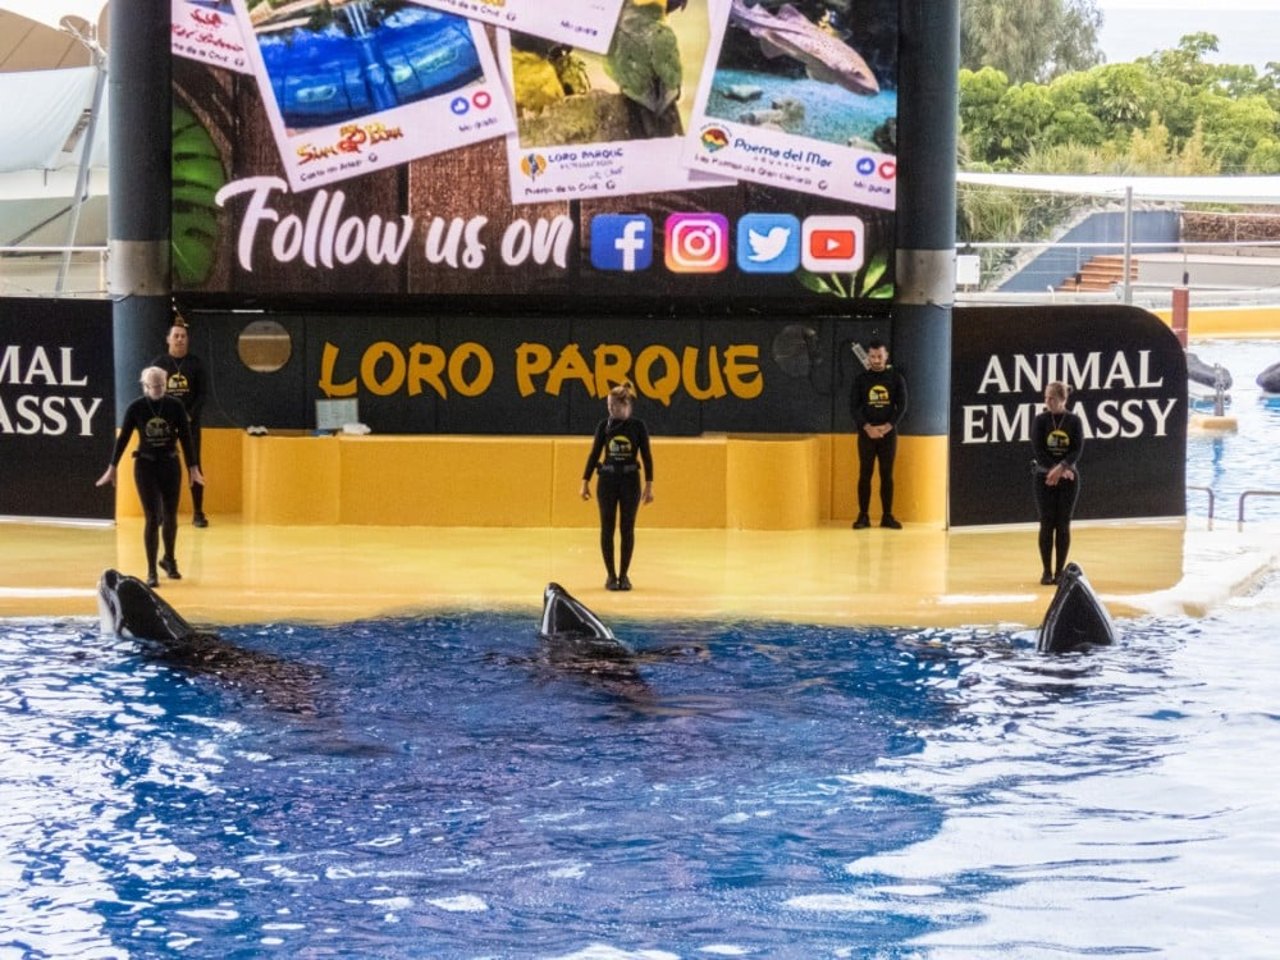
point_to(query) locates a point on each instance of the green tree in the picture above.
(1029, 39)
(1265, 157)
(1172, 113)
(1234, 130)
(980, 94)
(1185, 63)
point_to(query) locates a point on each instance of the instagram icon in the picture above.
(697, 242)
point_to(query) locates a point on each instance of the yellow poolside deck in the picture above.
(920, 576)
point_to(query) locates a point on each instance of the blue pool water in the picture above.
(438, 788)
(433, 788)
(1249, 459)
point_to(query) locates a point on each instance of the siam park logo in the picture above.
(714, 138)
(533, 165)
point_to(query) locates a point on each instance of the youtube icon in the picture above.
(832, 244)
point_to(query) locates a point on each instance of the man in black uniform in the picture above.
(878, 401)
(186, 384)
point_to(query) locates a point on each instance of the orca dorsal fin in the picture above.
(1076, 618)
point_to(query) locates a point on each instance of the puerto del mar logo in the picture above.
(714, 138)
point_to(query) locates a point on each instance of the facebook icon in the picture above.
(621, 241)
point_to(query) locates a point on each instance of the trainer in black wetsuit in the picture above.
(878, 401)
(1057, 440)
(186, 383)
(162, 426)
(621, 444)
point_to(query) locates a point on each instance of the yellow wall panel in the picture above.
(690, 486)
(446, 481)
(568, 509)
(291, 480)
(753, 482)
(1241, 322)
(920, 479)
(772, 483)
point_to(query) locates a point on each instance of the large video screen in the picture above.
(628, 150)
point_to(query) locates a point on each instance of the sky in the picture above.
(1248, 31)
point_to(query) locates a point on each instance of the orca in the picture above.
(1269, 379)
(573, 632)
(573, 641)
(129, 609)
(1207, 373)
(1076, 619)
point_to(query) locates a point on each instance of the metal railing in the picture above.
(1153, 294)
(1209, 492)
(1252, 493)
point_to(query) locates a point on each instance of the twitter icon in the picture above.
(768, 243)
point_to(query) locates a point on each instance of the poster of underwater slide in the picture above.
(355, 87)
(396, 149)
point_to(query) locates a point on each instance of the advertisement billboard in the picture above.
(682, 152)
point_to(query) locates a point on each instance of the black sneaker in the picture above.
(612, 584)
(890, 522)
(170, 568)
(152, 579)
(862, 522)
(200, 520)
(624, 582)
(1047, 579)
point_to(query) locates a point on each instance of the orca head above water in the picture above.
(1269, 379)
(565, 616)
(127, 607)
(1076, 618)
(571, 628)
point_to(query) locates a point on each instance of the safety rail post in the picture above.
(1252, 493)
(1207, 490)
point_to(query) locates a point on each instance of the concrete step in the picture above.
(1100, 274)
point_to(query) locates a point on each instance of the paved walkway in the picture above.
(919, 576)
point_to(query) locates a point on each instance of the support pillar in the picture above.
(1181, 312)
(928, 98)
(140, 186)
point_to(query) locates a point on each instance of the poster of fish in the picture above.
(362, 85)
(585, 24)
(612, 124)
(206, 30)
(803, 95)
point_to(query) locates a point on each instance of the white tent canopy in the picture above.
(47, 103)
(45, 112)
(53, 12)
(1253, 190)
(53, 128)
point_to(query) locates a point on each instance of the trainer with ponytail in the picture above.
(620, 447)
